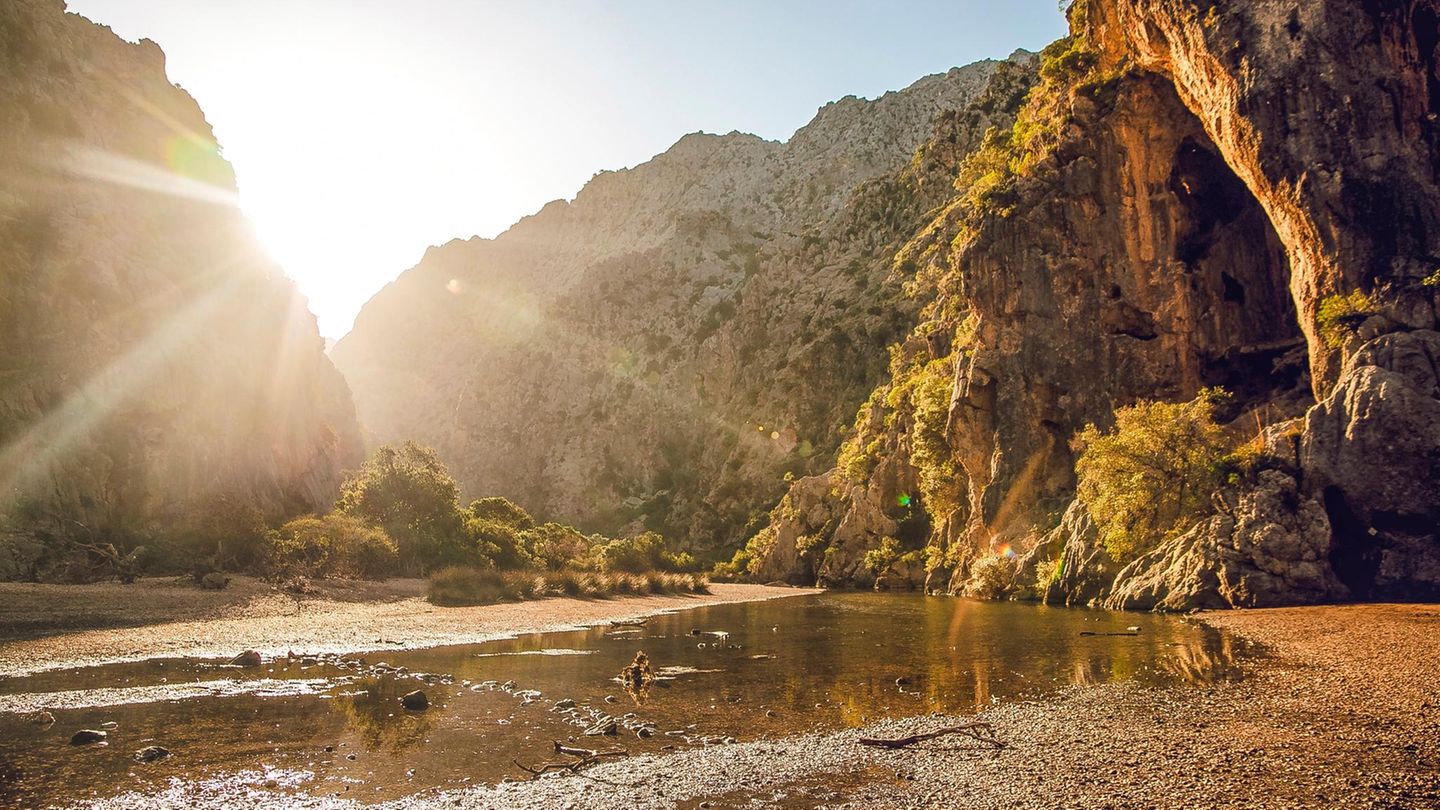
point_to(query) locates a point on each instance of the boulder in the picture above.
(1370, 453)
(1273, 549)
(1086, 570)
(416, 701)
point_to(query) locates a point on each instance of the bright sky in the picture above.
(363, 131)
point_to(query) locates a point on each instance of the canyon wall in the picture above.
(1193, 187)
(161, 382)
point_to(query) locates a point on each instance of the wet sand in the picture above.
(48, 627)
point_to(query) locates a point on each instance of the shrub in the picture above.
(409, 493)
(990, 577)
(460, 585)
(1339, 313)
(1153, 473)
(497, 542)
(879, 559)
(641, 553)
(332, 545)
(554, 546)
(562, 583)
(501, 510)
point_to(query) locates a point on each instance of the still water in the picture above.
(761, 669)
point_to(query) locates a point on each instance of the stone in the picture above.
(1369, 454)
(249, 658)
(88, 736)
(151, 753)
(42, 718)
(608, 727)
(214, 581)
(416, 701)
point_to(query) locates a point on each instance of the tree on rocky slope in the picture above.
(1157, 468)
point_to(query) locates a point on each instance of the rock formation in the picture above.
(157, 373)
(663, 349)
(1243, 195)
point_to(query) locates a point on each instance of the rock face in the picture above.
(665, 347)
(156, 370)
(1211, 185)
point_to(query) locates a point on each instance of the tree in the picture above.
(1154, 473)
(409, 493)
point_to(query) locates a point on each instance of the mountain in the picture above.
(662, 350)
(161, 382)
(1239, 195)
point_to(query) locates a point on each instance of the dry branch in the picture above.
(585, 757)
(983, 732)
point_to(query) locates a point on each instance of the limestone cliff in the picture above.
(664, 348)
(1191, 189)
(156, 370)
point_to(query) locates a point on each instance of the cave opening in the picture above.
(1354, 557)
(1247, 332)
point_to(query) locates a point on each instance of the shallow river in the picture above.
(760, 669)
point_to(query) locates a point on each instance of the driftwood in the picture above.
(584, 757)
(982, 732)
(628, 622)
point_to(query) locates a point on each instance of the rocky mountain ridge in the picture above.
(663, 349)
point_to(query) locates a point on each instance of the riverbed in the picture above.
(318, 725)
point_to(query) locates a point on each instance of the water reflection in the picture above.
(717, 673)
(372, 711)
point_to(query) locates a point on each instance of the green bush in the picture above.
(333, 545)
(499, 543)
(641, 553)
(1338, 314)
(879, 559)
(501, 510)
(1154, 473)
(554, 546)
(990, 577)
(409, 493)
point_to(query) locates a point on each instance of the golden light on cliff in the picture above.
(93, 164)
(28, 458)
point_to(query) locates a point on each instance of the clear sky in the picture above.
(363, 131)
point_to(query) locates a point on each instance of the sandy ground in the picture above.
(47, 627)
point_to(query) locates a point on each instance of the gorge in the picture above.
(594, 513)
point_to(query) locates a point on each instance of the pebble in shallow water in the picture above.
(87, 736)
